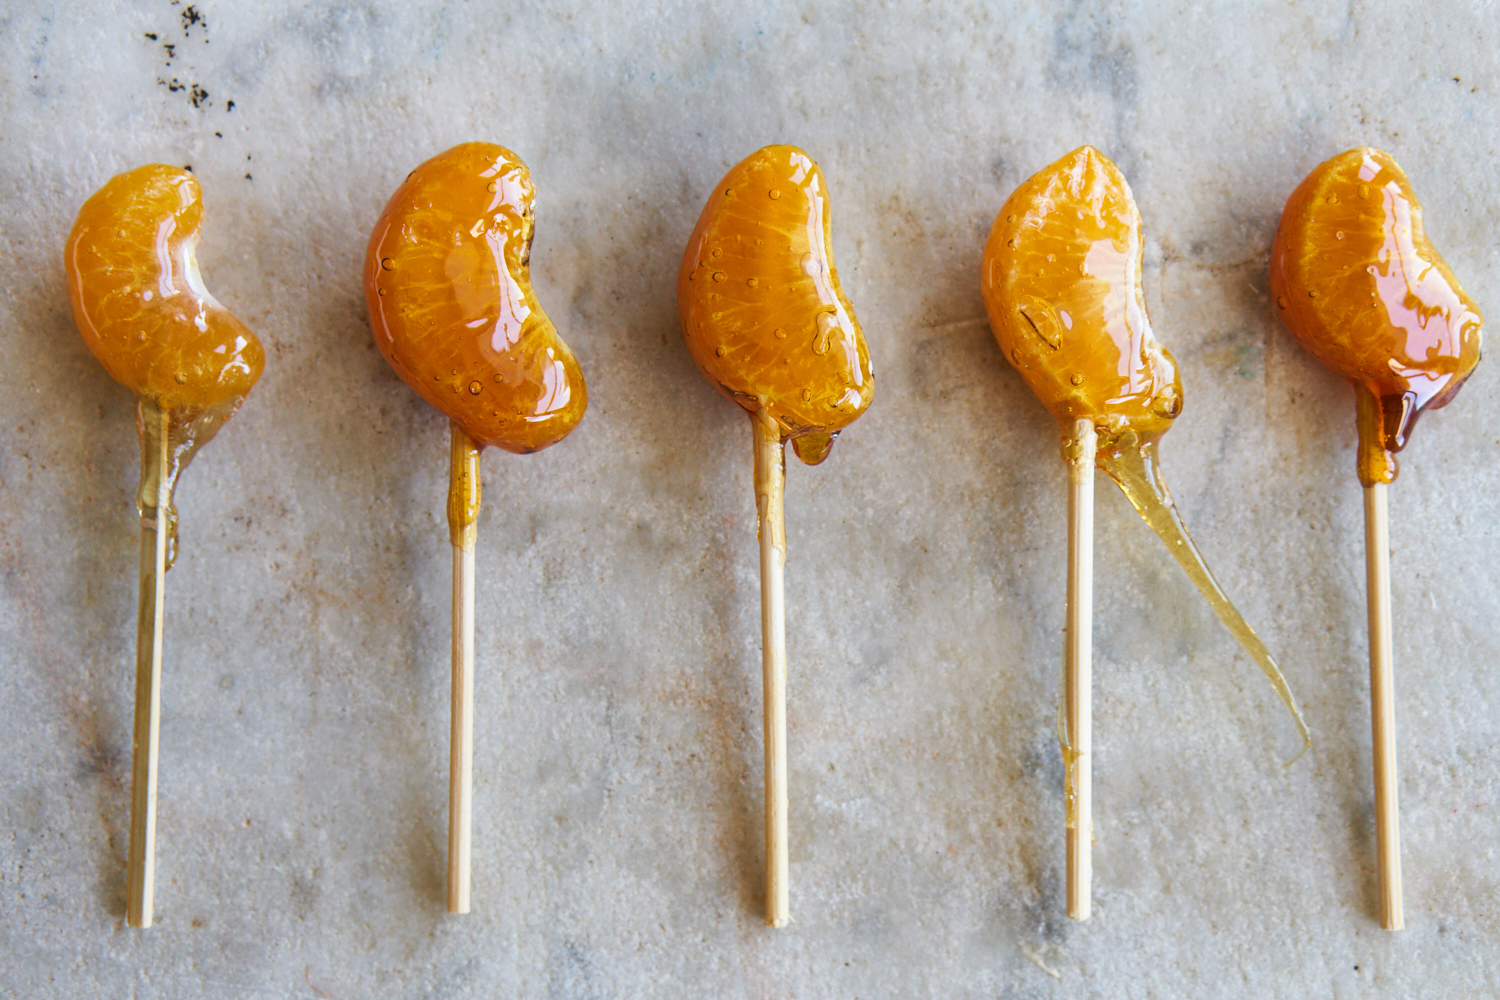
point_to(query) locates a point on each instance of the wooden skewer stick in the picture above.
(463, 530)
(1383, 704)
(1078, 669)
(150, 620)
(770, 509)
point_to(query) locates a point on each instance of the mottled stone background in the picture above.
(617, 819)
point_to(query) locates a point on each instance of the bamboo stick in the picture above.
(1383, 704)
(770, 493)
(150, 623)
(463, 516)
(1078, 669)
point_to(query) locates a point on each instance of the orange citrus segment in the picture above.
(761, 307)
(1061, 280)
(140, 303)
(1357, 281)
(448, 287)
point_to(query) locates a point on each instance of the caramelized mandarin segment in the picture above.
(1357, 281)
(142, 309)
(762, 311)
(1062, 284)
(140, 303)
(1061, 279)
(448, 287)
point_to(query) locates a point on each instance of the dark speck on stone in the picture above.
(188, 167)
(151, 35)
(229, 106)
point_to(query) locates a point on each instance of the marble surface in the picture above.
(617, 815)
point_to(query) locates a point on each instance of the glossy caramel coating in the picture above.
(1357, 281)
(448, 287)
(1061, 280)
(140, 303)
(762, 311)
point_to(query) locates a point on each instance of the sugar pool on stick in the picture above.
(448, 287)
(1061, 279)
(1357, 281)
(766, 321)
(144, 312)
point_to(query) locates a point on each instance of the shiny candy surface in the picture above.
(761, 307)
(142, 309)
(1061, 279)
(140, 302)
(1356, 280)
(448, 288)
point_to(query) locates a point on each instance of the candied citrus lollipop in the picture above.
(144, 312)
(448, 286)
(1062, 285)
(1358, 282)
(766, 321)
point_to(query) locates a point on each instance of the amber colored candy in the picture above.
(142, 309)
(1357, 281)
(140, 303)
(1062, 285)
(448, 287)
(762, 311)
(1061, 279)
